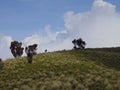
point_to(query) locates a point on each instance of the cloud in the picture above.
(50, 41)
(100, 6)
(4, 47)
(99, 27)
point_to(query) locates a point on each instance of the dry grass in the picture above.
(63, 70)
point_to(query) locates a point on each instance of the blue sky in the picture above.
(53, 24)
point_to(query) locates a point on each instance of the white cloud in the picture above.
(4, 47)
(51, 41)
(99, 27)
(100, 6)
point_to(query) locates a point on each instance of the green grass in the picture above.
(90, 69)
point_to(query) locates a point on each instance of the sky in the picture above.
(53, 24)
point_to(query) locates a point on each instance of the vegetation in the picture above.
(89, 69)
(79, 43)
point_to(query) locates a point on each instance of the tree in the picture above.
(79, 43)
(30, 51)
(16, 49)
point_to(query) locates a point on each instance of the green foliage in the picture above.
(90, 69)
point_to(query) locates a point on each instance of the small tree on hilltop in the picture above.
(79, 43)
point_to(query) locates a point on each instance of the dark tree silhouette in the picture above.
(75, 44)
(1, 64)
(79, 43)
(30, 51)
(16, 49)
(46, 50)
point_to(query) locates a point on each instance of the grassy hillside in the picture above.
(91, 69)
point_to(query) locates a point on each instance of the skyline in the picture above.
(53, 25)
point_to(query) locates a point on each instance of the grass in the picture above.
(90, 69)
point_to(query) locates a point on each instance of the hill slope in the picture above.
(90, 69)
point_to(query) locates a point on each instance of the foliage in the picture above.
(63, 70)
